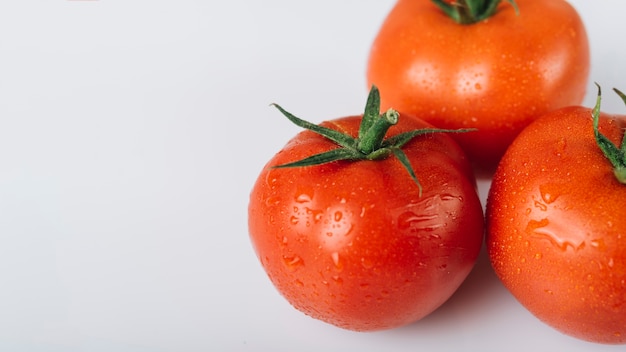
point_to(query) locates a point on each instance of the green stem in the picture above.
(471, 11)
(374, 136)
(369, 145)
(616, 155)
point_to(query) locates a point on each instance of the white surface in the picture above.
(130, 136)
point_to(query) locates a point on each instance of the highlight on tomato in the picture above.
(556, 230)
(367, 222)
(489, 64)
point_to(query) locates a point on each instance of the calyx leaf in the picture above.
(370, 144)
(616, 155)
(471, 11)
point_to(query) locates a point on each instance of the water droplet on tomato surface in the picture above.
(293, 262)
(338, 280)
(549, 193)
(610, 263)
(335, 257)
(559, 234)
(303, 198)
(367, 263)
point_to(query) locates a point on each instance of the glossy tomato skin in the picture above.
(497, 75)
(556, 231)
(353, 244)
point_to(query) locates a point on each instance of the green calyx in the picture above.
(471, 11)
(370, 144)
(615, 154)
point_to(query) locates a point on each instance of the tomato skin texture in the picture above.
(353, 244)
(556, 232)
(497, 75)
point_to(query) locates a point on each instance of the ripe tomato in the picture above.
(496, 75)
(556, 231)
(358, 244)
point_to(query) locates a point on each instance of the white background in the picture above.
(131, 132)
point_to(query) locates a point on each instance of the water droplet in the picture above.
(272, 201)
(611, 263)
(559, 234)
(538, 255)
(338, 280)
(366, 263)
(298, 283)
(335, 257)
(549, 292)
(364, 286)
(294, 220)
(303, 198)
(598, 244)
(338, 215)
(549, 193)
(540, 206)
(561, 144)
(293, 262)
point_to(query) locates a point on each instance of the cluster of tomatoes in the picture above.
(373, 221)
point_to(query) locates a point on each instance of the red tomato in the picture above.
(356, 243)
(556, 230)
(496, 75)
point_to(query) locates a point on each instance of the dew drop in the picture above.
(271, 201)
(338, 215)
(366, 263)
(548, 194)
(293, 262)
(294, 220)
(335, 257)
(538, 255)
(611, 263)
(303, 198)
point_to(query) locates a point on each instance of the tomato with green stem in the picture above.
(489, 64)
(367, 222)
(556, 231)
